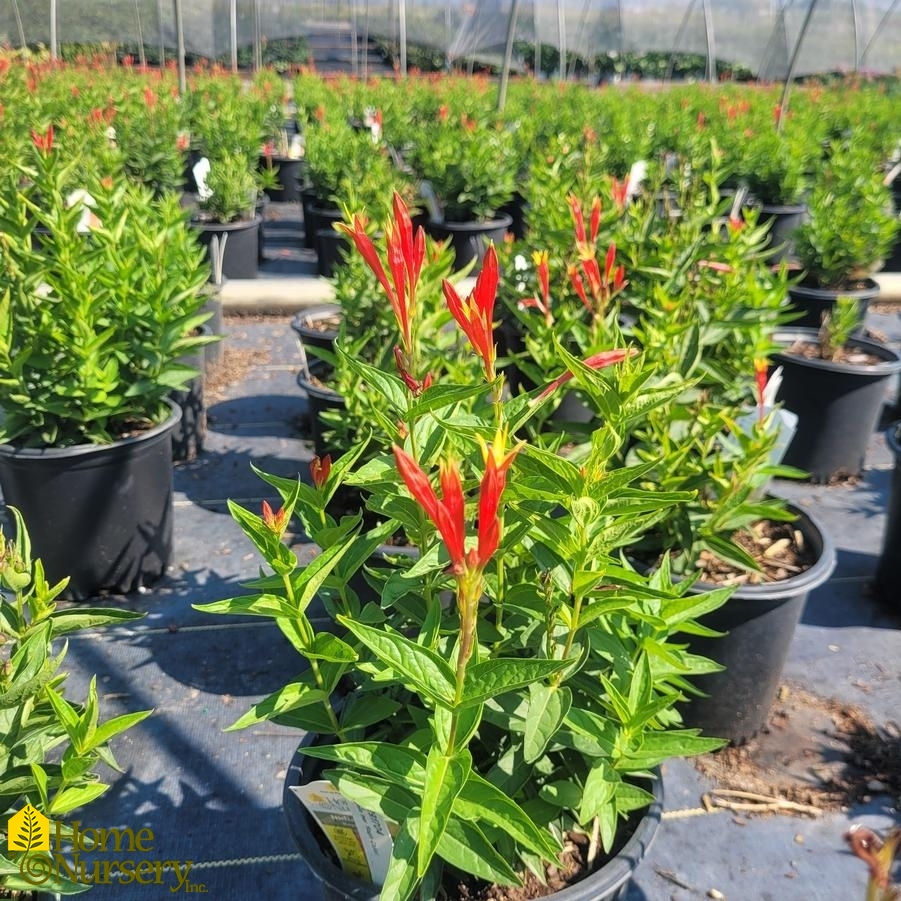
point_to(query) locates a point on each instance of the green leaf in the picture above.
(403, 766)
(70, 798)
(444, 780)
(402, 878)
(111, 728)
(493, 677)
(598, 791)
(66, 621)
(465, 847)
(292, 696)
(481, 802)
(429, 673)
(326, 646)
(548, 705)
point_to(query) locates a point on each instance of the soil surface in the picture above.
(778, 548)
(849, 354)
(815, 755)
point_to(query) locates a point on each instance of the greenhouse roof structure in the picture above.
(765, 36)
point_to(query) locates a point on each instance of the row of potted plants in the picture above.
(658, 344)
(507, 683)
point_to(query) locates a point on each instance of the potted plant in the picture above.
(773, 167)
(227, 193)
(468, 172)
(96, 315)
(148, 132)
(835, 382)
(503, 687)
(348, 170)
(847, 235)
(50, 746)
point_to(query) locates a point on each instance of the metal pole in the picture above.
(402, 26)
(561, 38)
(141, 56)
(508, 56)
(180, 44)
(793, 62)
(878, 31)
(233, 27)
(19, 27)
(535, 25)
(855, 24)
(54, 45)
(355, 40)
(683, 25)
(159, 24)
(257, 37)
(711, 42)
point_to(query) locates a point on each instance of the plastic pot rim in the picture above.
(80, 450)
(889, 365)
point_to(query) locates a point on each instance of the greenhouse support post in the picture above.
(508, 56)
(180, 40)
(793, 63)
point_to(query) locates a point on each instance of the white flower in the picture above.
(80, 198)
(520, 263)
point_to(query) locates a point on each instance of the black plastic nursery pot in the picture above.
(101, 514)
(320, 400)
(470, 239)
(332, 249)
(813, 302)
(783, 219)
(189, 432)
(837, 404)
(288, 172)
(213, 352)
(308, 202)
(241, 255)
(760, 622)
(608, 883)
(316, 327)
(887, 582)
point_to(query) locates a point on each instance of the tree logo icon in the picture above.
(29, 830)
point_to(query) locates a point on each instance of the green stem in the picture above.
(308, 634)
(571, 636)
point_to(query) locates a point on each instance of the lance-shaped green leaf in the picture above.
(429, 673)
(548, 705)
(403, 766)
(482, 802)
(292, 696)
(445, 777)
(66, 621)
(402, 878)
(389, 386)
(493, 677)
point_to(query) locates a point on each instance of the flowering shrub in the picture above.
(101, 293)
(512, 680)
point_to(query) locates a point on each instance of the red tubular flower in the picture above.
(620, 192)
(579, 286)
(578, 219)
(149, 97)
(596, 361)
(406, 253)
(475, 315)
(448, 513)
(320, 469)
(275, 522)
(43, 142)
(492, 487)
(595, 218)
(761, 376)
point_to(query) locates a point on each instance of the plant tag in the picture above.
(359, 837)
